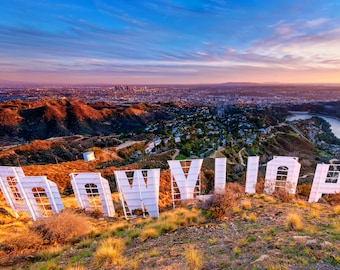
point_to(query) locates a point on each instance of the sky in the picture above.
(170, 41)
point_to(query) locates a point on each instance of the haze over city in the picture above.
(170, 42)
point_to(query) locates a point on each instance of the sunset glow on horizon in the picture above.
(170, 42)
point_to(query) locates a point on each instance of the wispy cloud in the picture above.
(164, 38)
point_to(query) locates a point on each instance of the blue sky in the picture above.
(168, 41)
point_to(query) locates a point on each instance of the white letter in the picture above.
(252, 173)
(282, 172)
(88, 187)
(185, 175)
(139, 189)
(326, 181)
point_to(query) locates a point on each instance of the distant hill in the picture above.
(239, 83)
(52, 118)
(8, 83)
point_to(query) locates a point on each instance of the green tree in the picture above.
(186, 149)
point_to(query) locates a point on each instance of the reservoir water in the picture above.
(335, 123)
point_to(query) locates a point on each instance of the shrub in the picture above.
(134, 264)
(168, 225)
(246, 204)
(237, 251)
(154, 253)
(49, 253)
(213, 241)
(118, 228)
(83, 254)
(268, 198)
(50, 265)
(283, 195)
(273, 231)
(244, 216)
(301, 204)
(314, 215)
(62, 227)
(293, 222)
(148, 233)
(207, 181)
(236, 209)
(86, 243)
(304, 190)
(183, 216)
(260, 186)
(337, 209)
(109, 253)
(235, 187)
(21, 241)
(170, 221)
(332, 199)
(220, 203)
(251, 238)
(252, 217)
(193, 258)
(133, 233)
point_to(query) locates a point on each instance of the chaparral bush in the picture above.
(221, 203)
(62, 227)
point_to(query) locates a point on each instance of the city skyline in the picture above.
(170, 42)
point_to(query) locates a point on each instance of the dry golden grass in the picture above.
(170, 221)
(110, 253)
(213, 241)
(62, 227)
(267, 198)
(236, 251)
(314, 215)
(236, 209)
(22, 240)
(283, 195)
(337, 209)
(148, 233)
(181, 216)
(316, 206)
(50, 252)
(78, 266)
(301, 204)
(154, 253)
(119, 226)
(193, 258)
(294, 222)
(252, 217)
(70, 201)
(134, 264)
(246, 204)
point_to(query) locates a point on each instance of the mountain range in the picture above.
(31, 120)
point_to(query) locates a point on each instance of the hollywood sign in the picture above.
(139, 189)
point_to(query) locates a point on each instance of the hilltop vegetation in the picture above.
(252, 232)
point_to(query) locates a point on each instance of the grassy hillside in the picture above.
(234, 231)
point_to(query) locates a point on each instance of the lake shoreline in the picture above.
(333, 121)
